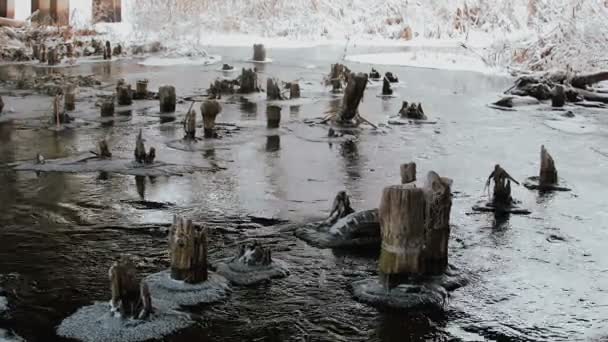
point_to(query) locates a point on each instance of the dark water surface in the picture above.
(543, 277)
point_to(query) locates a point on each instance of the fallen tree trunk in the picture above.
(582, 81)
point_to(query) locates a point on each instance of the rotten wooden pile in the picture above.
(140, 151)
(188, 252)
(547, 180)
(130, 295)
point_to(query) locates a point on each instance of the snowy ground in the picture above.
(519, 34)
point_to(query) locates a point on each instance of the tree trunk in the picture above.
(107, 108)
(130, 296)
(558, 96)
(167, 97)
(209, 110)
(582, 81)
(340, 208)
(408, 173)
(352, 96)
(402, 220)
(438, 208)
(248, 81)
(69, 99)
(592, 96)
(190, 125)
(273, 116)
(294, 90)
(103, 149)
(273, 92)
(259, 52)
(125, 95)
(188, 252)
(548, 173)
(141, 90)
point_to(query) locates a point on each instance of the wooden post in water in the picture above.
(273, 116)
(415, 229)
(43, 53)
(140, 151)
(352, 96)
(190, 124)
(52, 57)
(248, 81)
(69, 99)
(1, 105)
(209, 110)
(168, 99)
(386, 87)
(107, 52)
(294, 90)
(548, 172)
(259, 52)
(408, 173)
(130, 296)
(558, 96)
(36, 51)
(141, 89)
(69, 50)
(124, 94)
(103, 150)
(188, 252)
(273, 92)
(107, 107)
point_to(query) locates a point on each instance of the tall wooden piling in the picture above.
(259, 53)
(273, 116)
(168, 99)
(188, 252)
(548, 172)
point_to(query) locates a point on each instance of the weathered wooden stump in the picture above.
(36, 51)
(402, 221)
(140, 151)
(69, 50)
(254, 255)
(259, 52)
(412, 111)
(273, 92)
(558, 96)
(227, 67)
(340, 208)
(52, 57)
(190, 124)
(117, 51)
(415, 230)
(141, 90)
(248, 81)
(130, 296)
(374, 74)
(125, 95)
(59, 114)
(1, 105)
(391, 78)
(209, 111)
(548, 172)
(188, 252)
(107, 52)
(294, 90)
(42, 53)
(69, 99)
(168, 99)
(408, 173)
(352, 97)
(273, 116)
(107, 107)
(103, 150)
(386, 87)
(437, 224)
(337, 76)
(501, 198)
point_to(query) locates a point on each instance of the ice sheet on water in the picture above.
(162, 286)
(181, 60)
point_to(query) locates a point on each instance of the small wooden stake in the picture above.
(294, 90)
(188, 252)
(548, 172)
(130, 296)
(107, 108)
(190, 124)
(259, 53)
(273, 92)
(408, 173)
(168, 99)
(209, 111)
(273, 116)
(140, 151)
(141, 90)
(125, 95)
(70, 98)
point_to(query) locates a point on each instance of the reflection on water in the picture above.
(273, 143)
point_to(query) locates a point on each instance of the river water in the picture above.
(541, 277)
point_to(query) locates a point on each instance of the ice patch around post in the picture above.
(163, 287)
(96, 323)
(243, 274)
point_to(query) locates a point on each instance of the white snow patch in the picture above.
(427, 59)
